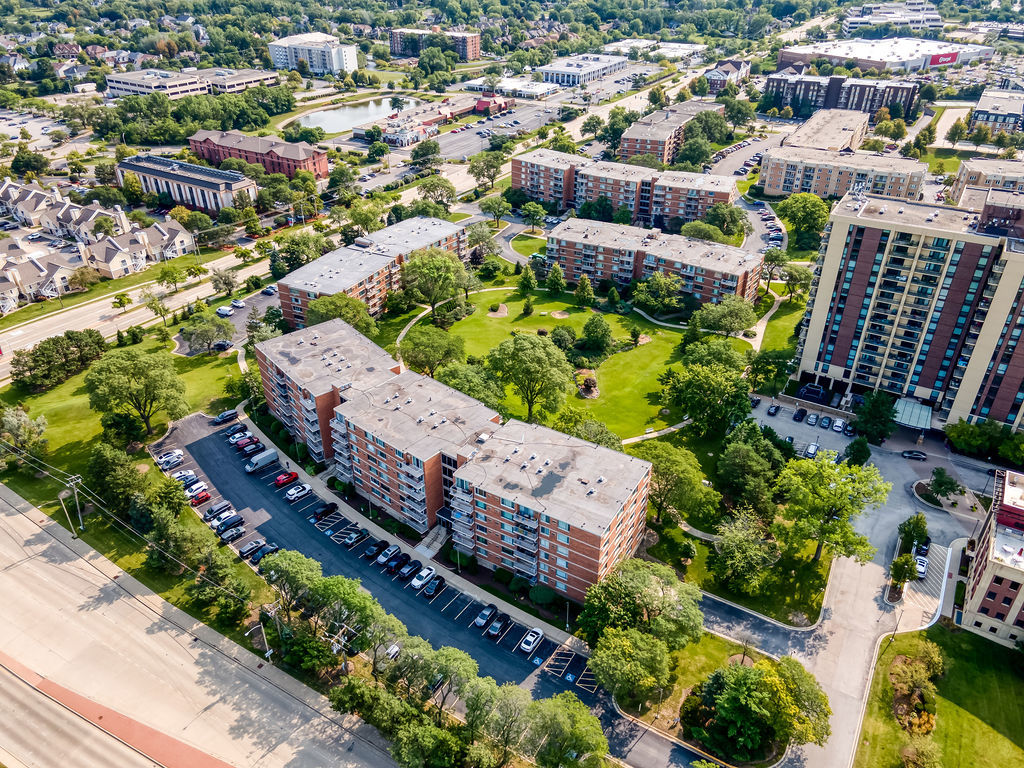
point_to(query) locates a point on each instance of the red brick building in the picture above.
(547, 176)
(274, 154)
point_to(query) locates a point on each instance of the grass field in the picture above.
(455, 217)
(949, 158)
(780, 332)
(527, 245)
(979, 717)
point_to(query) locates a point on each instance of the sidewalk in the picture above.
(320, 488)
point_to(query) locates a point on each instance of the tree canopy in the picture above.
(536, 370)
(343, 307)
(130, 381)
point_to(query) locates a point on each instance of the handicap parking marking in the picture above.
(559, 661)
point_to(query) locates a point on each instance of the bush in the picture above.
(502, 576)
(494, 308)
(542, 595)
(542, 331)
(518, 585)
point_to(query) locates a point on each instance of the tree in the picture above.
(366, 215)
(647, 596)
(876, 417)
(584, 292)
(743, 555)
(22, 436)
(768, 370)
(292, 574)
(478, 698)
(712, 396)
(437, 189)
(774, 260)
(480, 239)
(566, 733)
(574, 421)
(154, 304)
(527, 283)
(509, 720)
(822, 499)
(980, 135)
(535, 368)
(343, 307)
(170, 275)
(597, 334)
(739, 113)
(592, 125)
(731, 315)
(204, 329)
(457, 669)
(659, 293)
(902, 570)
(797, 278)
(922, 752)
(630, 664)
(426, 348)
(806, 212)
(497, 207)
(943, 484)
(957, 132)
(426, 154)
(802, 707)
(914, 529)
(477, 381)
(555, 282)
(486, 167)
(731, 219)
(121, 301)
(432, 274)
(82, 278)
(699, 86)
(746, 472)
(534, 214)
(421, 745)
(857, 451)
(677, 480)
(129, 381)
(377, 150)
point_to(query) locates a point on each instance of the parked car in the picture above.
(812, 420)
(499, 625)
(754, 401)
(839, 425)
(200, 498)
(285, 478)
(532, 640)
(773, 410)
(224, 417)
(185, 476)
(245, 441)
(484, 617)
(371, 552)
(251, 449)
(409, 570)
(435, 587)
(250, 547)
(266, 549)
(423, 577)
(177, 461)
(225, 311)
(922, 566)
(222, 345)
(325, 509)
(195, 489)
(826, 422)
(238, 304)
(297, 492)
(355, 538)
(232, 521)
(799, 414)
(915, 455)
(234, 429)
(169, 456)
(397, 562)
(239, 436)
(232, 533)
(812, 450)
(218, 509)
(270, 290)
(387, 554)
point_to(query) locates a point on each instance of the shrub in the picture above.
(518, 585)
(494, 307)
(590, 383)
(542, 595)
(542, 331)
(528, 306)
(502, 576)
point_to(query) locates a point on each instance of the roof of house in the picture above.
(259, 145)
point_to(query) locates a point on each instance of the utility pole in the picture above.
(73, 482)
(71, 526)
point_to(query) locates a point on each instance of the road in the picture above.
(84, 625)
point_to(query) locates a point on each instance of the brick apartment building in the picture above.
(999, 111)
(603, 251)
(274, 154)
(547, 176)
(661, 133)
(834, 129)
(367, 269)
(805, 94)
(551, 508)
(988, 172)
(915, 300)
(409, 42)
(994, 600)
(788, 170)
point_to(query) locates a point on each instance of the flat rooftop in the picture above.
(406, 236)
(893, 49)
(678, 50)
(1001, 102)
(552, 159)
(337, 271)
(222, 76)
(1005, 198)
(830, 129)
(860, 160)
(419, 415)
(308, 38)
(569, 479)
(875, 210)
(331, 354)
(991, 166)
(586, 62)
(663, 124)
(514, 85)
(629, 44)
(707, 181)
(621, 171)
(674, 248)
(155, 77)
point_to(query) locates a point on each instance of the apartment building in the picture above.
(915, 14)
(988, 172)
(832, 129)
(805, 94)
(274, 154)
(583, 68)
(547, 176)
(193, 185)
(725, 72)
(409, 42)
(661, 133)
(604, 251)
(174, 85)
(920, 301)
(322, 52)
(368, 268)
(825, 173)
(994, 600)
(551, 508)
(999, 111)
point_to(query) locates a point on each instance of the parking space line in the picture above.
(587, 681)
(507, 630)
(520, 641)
(456, 617)
(438, 594)
(457, 596)
(559, 661)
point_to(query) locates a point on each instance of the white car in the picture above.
(839, 425)
(168, 456)
(387, 554)
(225, 311)
(922, 566)
(185, 476)
(238, 436)
(532, 640)
(195, 490)
(423, 577)
(175, 461)
(297, 492)
(238, 304)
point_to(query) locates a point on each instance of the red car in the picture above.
(247, 441)
(201, 498)
(288, 477)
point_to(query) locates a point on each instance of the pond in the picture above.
(344, 117)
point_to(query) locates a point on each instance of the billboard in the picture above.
(943, 58)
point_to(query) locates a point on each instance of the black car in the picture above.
(754, 401)
(266, 549)
(799, 414)
(355, 538)
(923, 547)
(325, 509)
(222, 345)
(498, 625)
(397, 562)
(409, 570)
(849, 430)
(235, 429)
(375, 549)
(435, 586)
(774, 409)
(485, 615)
(224, 417)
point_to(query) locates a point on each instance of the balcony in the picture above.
(529, 522)
(529, 571)
(339, 427)
(416, 473)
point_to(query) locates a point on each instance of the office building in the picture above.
(999, 111)
(832, 129)
(605, 251)
(898, 54)
(583, 68)
(916, 300)
(628, 45)
(410, 42)
(322, 52)
(551, 508)
(174, 85)
(994, 600)
(661, 133)
(914, 14)
(274, 154)
(368, 268)
(805, 94)
(989, 172)
(725, 72)
(196, 186)
(223, 80)
(516, 87)
(827, 173)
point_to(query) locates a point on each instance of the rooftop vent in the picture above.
(524, 465)
(419, 420)
(601, 479)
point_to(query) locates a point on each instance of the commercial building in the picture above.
(725, 72)
(679, 51)
(410, 42)
(516, 87)
(236, 80)
(833, 129)
(583, 68)
(661, 133)
(906, 54)
(605, 251)
(196, 186)
(274, 154)
(421, 121)
(999, 111)
(551, 508)
(994, 600)
(322, 52)
(628, 45)
(988, 172)
(916, 300)
(368, 269)
(915, 14)
(805, 94)
(174, 85)
(827, 173)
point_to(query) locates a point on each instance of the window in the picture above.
(561, 574)
(481, 552)
(481, 540)
(507, 503)
(561, 563)
(563, 538)
(481, 517)
(563, 525)
(543, 567)
(560, 586)
(1000, 616)
(545, 530)
(977, 624)
(983, 610)
(1007, 600)
(990, 596)
(480, 504)
(562, 551)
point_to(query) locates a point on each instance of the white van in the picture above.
(261, 460)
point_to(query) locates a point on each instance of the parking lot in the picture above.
(446, 618)
(259, 300)
(803, 434)
(11, 124)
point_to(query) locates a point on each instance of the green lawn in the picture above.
(455, 217)
(747, 182)
(389, 327)
(780, 332)
(527, 245)
(765, 301)
(979, 717)
(950, 159)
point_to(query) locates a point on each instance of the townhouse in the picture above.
(825, 173)
(274, 154)
(136, 249)
(621, 253)
(197, 186)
